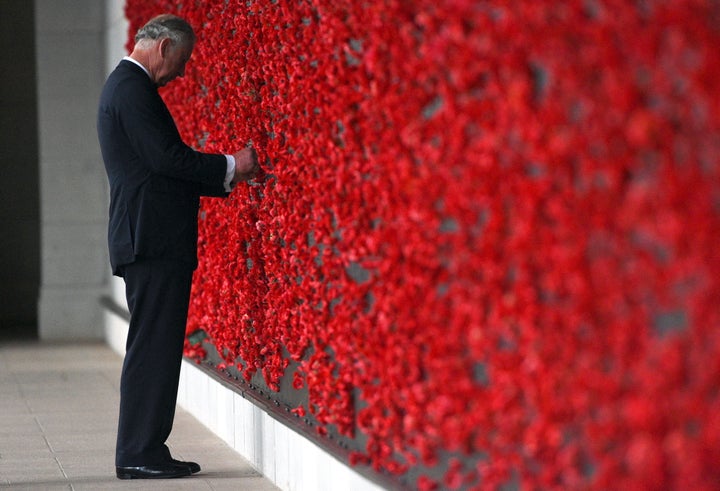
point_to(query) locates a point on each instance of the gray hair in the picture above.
(167, 26)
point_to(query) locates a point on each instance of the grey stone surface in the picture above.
(59, 415)
(65, 15)
(70, 62)
(73, 254)
(68, 312)
(67, 132)
(87, 176)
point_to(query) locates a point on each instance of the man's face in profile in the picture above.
(174, 60)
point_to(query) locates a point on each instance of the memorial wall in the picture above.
(483, 250)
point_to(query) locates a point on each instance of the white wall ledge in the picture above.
(287, 458)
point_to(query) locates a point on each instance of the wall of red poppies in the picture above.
(485, 242)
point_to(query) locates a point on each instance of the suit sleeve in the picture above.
(153, 135)
(213, 191)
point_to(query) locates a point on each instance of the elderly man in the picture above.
(155, 184)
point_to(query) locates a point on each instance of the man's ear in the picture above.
(165, 45)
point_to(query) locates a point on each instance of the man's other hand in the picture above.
(246, 165)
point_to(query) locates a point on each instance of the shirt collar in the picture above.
(132, 60)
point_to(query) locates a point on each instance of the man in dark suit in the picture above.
(155, 184)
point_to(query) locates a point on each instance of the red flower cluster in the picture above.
(492, 227)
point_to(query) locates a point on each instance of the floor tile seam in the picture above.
(49, 446)
(44, 436)
(54, 456)
(39, 424)
(61, 467)
(49, 458)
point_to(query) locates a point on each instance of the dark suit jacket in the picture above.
(155, 179)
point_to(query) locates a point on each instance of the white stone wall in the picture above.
(288, 459)
(116, 32)
(70, 61)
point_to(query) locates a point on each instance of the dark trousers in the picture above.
(158, 294)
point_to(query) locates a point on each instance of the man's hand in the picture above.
(246, 165)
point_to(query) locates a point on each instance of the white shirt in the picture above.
(230, 172)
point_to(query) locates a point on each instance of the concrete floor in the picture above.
(58, 418)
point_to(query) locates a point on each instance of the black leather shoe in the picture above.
(193, 466)
(161, 471)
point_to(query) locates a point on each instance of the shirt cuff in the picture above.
(230, 173)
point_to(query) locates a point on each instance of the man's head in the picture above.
(164, 46)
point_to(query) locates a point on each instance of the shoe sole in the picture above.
(130, 475)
